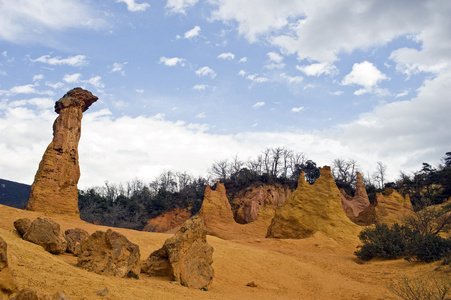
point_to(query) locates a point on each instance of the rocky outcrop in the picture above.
(109, 253)
(74, 237)
(169, 221)
(311, 209)
(7, 282)
(186, 257)
(46, 233)
(22, 225)
(359, 202)
(258, 201)
(388, 208)
(54, 189)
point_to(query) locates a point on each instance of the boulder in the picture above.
(54, 189)
(74, 237)
(47, 233)
(22, 225)
(359, 202)
(7, 282)
(313, 208)
(109, 253)
(30, 294)
(168, 221)
(258, 202)
(186, 257)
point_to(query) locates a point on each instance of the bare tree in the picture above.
(344, 171)
(220, 170)
(379, 174)
(236, 165)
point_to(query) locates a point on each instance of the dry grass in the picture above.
(315, 268)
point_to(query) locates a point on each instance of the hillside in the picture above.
(314, 268)
(14, 194)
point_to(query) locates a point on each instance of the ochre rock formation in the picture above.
(388, 208)
(7, 283)
(46, 233)
(313, 209)
(54, 189)
(186, 257)
(22, 225)
(259, 202)
(74, 237)
(359, 202)
(30, 294)
(109, 253)
(169, 221)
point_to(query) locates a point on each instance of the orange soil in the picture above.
(318, 267)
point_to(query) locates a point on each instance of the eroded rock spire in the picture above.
(54, 189)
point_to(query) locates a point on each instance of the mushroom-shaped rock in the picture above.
(54, 189)
(186, 257)
(7, 282)
(47, 233)
(313, 208)
(109, 253)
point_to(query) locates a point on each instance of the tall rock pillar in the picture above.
(54, 189)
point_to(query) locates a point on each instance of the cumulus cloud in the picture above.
(297, 109)
(243, 60)
(40, 17)
(274, 56)
(38, 77)
(133, 6)
(206, 71)
(119, 67)
(180, 6)
(228, 56)
(255, 78)
(171, 62)
(258, 105)
(25, 89)
(74, 61)
(292, 79)
(76, 78)
(192, 33)
(366, 75)
(318, 69)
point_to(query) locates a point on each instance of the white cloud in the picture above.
(228, 56)
(72, 78)
(242, 73)
(192, 33)
(366, 75)
(200, 87)
(336, 93)
(25, 89)
(292, 79)
(318, 69)
(180, 6)
(171, 62)
(206, 71)
(272, 66)
(75, 61)
(297, 109)
(140, 91)
(201, 115)
(258, 105)
(119, 67)
(274, 56)
(256, 78)
(55, 86)
(243, 60)
(96, 82)
(38, 77)
(38, 18)
(133, 6)
(402, 94)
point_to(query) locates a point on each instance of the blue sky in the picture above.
(184, 83)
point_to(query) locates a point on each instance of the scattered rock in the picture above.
(22, 225)
(109, 253)
(54, 189)
(103, 292)
(169, 221)
(313, 208)
(74, 237)
(7, 282)
(30, 294)
(251, 284)
(47, 233)
(186, 257)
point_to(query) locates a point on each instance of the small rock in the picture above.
(103, 292)
(251, 284)
(74, 237)
(22, 225)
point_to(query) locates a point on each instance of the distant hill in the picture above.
(14, 194)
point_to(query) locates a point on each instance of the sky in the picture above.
(185, 83)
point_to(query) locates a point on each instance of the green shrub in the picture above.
(429, 248)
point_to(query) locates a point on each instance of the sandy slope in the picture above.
(314, 268)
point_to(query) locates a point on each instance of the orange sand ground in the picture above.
(313, 268)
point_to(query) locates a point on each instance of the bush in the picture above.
(425, 288)
(384, 242)
(429, 248)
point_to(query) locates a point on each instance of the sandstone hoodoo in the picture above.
(54, 189)
(186, 257)
(109, 253)
(7, 282)
(359, 202)
(311, 209)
